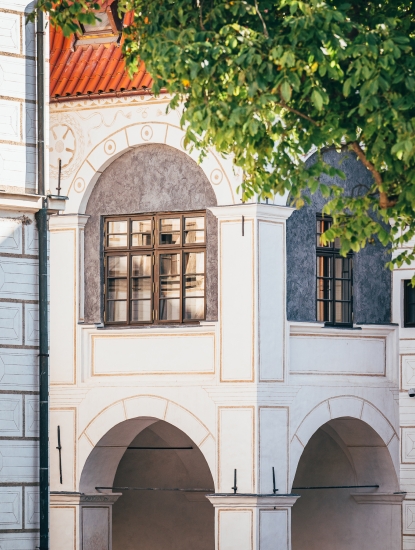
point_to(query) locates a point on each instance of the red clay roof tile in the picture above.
(77, 69)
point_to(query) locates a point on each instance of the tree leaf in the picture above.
(286, 91)
(317, 100)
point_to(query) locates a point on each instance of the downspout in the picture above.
(42, 225)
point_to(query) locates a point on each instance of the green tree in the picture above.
(266, 81)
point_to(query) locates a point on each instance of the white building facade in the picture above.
(246, 388)
(19, 518)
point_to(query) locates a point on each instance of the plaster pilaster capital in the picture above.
(253, 210)
(252, 500)
(67, 221)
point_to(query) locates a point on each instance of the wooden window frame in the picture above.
(333, 252)
(155, 249)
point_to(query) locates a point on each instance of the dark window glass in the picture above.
(155, 268)
(409, 304)
(334, 280)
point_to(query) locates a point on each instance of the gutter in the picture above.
(42, 225)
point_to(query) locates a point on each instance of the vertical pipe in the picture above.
(40, 81)
(41, 218)
(43, 380)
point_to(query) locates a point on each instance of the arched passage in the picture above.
(150, 453)
(346, 452)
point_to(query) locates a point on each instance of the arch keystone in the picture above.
(346, 406)
(145, 406)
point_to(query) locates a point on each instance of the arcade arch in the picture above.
(148, 453)
(346, 451)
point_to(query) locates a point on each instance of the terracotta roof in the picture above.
(78, 69)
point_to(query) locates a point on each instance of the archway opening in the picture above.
(147, 453)
(346, 452)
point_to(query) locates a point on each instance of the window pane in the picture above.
(170, 231)
(324, 311)
(141, 226)
(194, 223)
(168, 225)
(169, 238)
(141, 288)
(116, 311)
(194, 237)
(169, 310)
(194, 285)
(141, 239)
(194, 308)
(141, 266)
(170, 287)
(342, 290)
(410, 314)
(115, 241)
(324, 289)
(117, 227)
(342, 311)
(322, 226)
(117, 289)
(117, 266)
(141, 230)
(141, 310)
(194, 262)
(169, 264)
(324, 266)
(342, 268)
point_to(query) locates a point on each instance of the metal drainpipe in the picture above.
(42, 225)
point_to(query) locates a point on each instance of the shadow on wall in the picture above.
(163, 520)
(345, 451)
(371, 280)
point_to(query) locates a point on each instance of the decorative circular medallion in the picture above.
(216, 176)
(146, 132)
(79, 185)
(66, 144)
(110, 147)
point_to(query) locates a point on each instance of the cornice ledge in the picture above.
(265, 212)
(64, 395)
(378, 498)
(252, 500)
(22, 202)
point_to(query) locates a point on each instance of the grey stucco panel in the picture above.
(150, 178)
(371, 280)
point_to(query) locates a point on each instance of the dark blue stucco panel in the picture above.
(371, 280)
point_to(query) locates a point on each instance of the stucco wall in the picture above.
(371, 280)
(151, 178)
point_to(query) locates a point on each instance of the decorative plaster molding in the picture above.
(108, 498)
(86, 103)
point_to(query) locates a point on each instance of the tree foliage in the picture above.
(266, 81)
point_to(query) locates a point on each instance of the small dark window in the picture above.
(155, 268)
(334, 280)
(409, 304)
